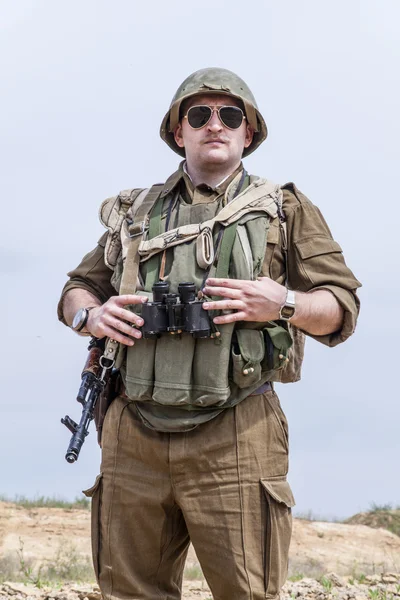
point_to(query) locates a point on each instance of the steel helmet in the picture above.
(214, 81)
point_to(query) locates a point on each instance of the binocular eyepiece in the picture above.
(175, 313)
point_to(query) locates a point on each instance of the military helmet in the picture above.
(214, 81)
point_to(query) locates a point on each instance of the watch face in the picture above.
(79, 318)
(287, 312)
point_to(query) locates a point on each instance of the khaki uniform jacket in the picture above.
(314, 258)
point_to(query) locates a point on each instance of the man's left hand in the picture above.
(259, 300)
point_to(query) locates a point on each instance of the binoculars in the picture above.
(175, 313)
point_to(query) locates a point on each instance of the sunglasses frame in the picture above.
(217, 110)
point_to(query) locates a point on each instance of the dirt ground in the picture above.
(317, 547)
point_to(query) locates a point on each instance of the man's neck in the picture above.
(211, 177)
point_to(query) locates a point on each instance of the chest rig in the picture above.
(188, 243)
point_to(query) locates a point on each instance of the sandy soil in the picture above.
(317, 547)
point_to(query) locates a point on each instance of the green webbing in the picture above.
(153, 264)
(228, 237)
(225, 252)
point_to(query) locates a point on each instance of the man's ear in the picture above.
(178, 136)
(249, 136)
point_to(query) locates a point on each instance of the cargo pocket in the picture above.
(279, 503)
(247, 354)
(95, 493)
(317, 253)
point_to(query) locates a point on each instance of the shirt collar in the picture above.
(218, 187)
(181, 173)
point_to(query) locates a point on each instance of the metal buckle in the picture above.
(137, 229)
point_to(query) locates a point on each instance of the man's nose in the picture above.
(214, 124)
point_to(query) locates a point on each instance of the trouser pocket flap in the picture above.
(279, 490)
(92, 490)
(279, 501)
(95, 492)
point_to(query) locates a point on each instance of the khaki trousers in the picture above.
(222, 486)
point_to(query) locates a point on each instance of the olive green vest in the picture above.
(205, 374)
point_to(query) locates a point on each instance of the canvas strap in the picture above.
(154, 230)
(225, 251)
(137, 229)
(112, 214)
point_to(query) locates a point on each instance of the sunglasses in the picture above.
(230, 116)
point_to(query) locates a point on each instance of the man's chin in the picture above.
(215, 155)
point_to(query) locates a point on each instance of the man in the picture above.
(195, 446)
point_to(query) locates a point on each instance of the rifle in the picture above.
(96, 376)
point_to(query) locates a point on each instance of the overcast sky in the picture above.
(84, 86)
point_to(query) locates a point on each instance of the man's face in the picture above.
(214, 144)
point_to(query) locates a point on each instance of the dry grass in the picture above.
(81, 503)
(67, 565)
(383, 516)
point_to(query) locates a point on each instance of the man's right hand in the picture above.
(111, 319)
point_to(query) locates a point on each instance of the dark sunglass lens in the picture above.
(231, 116)
(198, 116)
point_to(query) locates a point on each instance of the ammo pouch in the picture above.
(258, 354)
(291, 371)
(247, 354)
(198, 373)
(179, 370)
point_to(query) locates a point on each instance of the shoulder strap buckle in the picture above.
(136, 229)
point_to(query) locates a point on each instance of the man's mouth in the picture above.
(216, 141)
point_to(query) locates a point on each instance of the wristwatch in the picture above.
(80, 319)
(287, 310)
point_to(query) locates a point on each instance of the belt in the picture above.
(265, 387)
